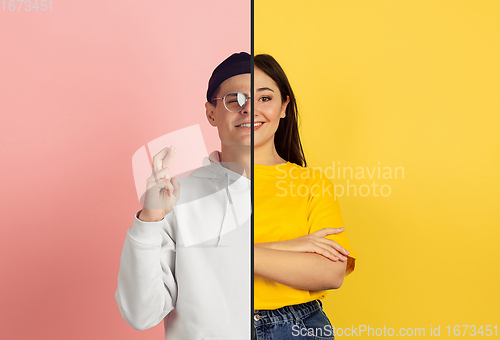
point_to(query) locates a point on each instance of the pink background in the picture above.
(82, 88)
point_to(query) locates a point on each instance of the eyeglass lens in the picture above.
(235, 101)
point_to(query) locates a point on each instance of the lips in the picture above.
(249, 123)
(249, 127)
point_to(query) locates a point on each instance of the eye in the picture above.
(265, 98)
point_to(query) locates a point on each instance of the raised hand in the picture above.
(162, 191)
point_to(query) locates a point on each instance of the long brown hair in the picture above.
(286, 138)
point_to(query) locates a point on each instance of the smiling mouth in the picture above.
(249, 124)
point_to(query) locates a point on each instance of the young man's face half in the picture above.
(231, 132)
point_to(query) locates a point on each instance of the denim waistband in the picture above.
(292, 312)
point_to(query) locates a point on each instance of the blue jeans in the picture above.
(302, 321)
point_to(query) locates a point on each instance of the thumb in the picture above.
(177, 187)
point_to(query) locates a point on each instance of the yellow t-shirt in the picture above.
(291, 201)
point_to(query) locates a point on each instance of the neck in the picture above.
(266, 154)
(236, 159)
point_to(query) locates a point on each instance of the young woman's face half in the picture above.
(268, 108)
(229, 124)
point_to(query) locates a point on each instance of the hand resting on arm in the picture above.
(310, 262)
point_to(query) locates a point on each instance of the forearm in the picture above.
(146, 289)
(299, 270)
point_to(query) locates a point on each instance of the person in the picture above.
(300, 246)
(186, 258)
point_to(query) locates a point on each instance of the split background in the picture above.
(379, 84)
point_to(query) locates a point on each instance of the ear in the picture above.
(210, 111)
(284, 106)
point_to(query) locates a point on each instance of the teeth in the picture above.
(248, 125)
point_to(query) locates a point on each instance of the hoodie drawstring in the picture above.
(228, 201)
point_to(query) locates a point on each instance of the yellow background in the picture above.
(412, 84)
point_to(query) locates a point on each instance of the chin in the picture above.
(241, 143)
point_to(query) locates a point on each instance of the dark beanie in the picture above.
(238, 63)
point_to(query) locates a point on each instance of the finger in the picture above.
(159, 156)
(332, 251)
(169, 187)
(325, 251)
(163, 158)
(177, 187)
(166, 202)
(338, 255)
(160, 177)
(328, 231)
(167, 160)
(335, 245)
(322, 249)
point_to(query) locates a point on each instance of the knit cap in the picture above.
(237, 63)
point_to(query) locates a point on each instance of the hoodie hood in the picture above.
(224, 180)
(212, 168)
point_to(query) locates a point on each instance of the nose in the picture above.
(247, 108)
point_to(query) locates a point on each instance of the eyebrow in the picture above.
(264, 89)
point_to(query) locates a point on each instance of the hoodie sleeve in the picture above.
(147, 289)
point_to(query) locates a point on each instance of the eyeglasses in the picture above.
(234, 101)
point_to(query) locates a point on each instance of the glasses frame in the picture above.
(224, 100)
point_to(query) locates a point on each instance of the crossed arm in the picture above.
(310, 262)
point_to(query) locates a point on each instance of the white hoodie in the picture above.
(192, 269)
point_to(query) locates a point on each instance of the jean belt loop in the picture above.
(295, 314)
(320, 303)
